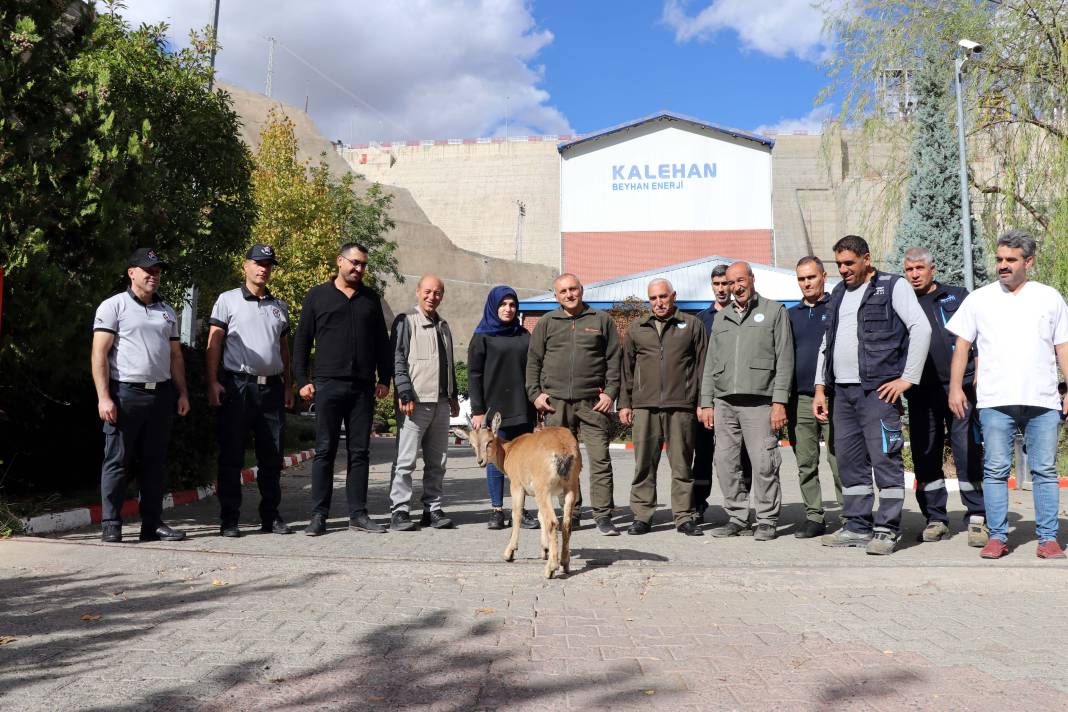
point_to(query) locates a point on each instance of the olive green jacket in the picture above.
(663, 370)
(750, 354)
(573, 358)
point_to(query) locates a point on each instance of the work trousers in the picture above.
(805, 433)
(929, 420)
(135, 446)
(248, 405)
(594, 430)
(703, 458)
(337, 401)
(652, 428)
(426, 429)
(745, 422)
(868, 442)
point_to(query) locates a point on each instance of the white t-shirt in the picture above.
(1014, 335)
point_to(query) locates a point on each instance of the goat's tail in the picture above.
(562, 463)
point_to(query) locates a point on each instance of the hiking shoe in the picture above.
(1049, 550)
(765, 532)
(978, 531)
(436, 519)
(605, 527)
(401, 522)
(689, 529)
(363, 523)
(111, 533)
(882, 544)
(845, 537)
(230, 529)
(731, 529)
(530, 520)
(275, 526)
(994, 549)
(317, 525)
(810, 530)
(497, 520)
(639, 527)
(934, 531)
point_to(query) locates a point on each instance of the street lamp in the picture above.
(966, 49)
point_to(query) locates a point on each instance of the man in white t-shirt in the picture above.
(1020, 329)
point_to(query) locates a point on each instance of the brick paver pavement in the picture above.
(434, 620)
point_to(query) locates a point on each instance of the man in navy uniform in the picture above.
(139, 376)
(247, 337)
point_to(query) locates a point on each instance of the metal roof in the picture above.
(670, 116)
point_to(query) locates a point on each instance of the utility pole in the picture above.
(519, 230)
(965, 50)
(270, 65)
(214, 44)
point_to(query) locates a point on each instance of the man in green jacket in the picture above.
(662, 358)
(573, 379)
(744, 391)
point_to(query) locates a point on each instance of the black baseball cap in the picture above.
(145, 257)
(261, 253)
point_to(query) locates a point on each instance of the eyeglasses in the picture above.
(355, 263)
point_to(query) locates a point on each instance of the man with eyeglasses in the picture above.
(139, 375)
(343, 319)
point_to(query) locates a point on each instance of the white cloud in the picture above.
(812, 122)
(419, 69)
(778, 28)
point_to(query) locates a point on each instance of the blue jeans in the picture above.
(494, 477)
(1040, 428)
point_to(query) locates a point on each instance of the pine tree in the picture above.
(931, 216)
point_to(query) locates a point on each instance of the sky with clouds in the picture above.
(379, 70)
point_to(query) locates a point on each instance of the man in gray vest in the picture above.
(139, 375)
(247, 337)
(424, 375)
(874, 350)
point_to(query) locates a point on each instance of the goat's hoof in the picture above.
(508, 555)
(566, 568)
(548, 572)
(544, 553)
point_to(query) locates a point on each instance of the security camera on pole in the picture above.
(966, 50)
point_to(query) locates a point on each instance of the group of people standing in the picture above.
(715, 390)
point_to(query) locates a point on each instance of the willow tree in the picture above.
(1015, 94)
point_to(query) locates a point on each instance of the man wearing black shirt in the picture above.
(343, 319)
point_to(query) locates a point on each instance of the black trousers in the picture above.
(703, 456)
(929, 421)
(352, 402)
(136, 446)
(246, 406)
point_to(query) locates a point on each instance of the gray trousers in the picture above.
(426, 429)
(745, 421)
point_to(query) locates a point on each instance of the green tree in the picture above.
(1015, 94)
(306, 214)
(931, 217)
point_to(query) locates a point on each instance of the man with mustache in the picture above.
(744, 390)
(1021, 330)
(930, 417)
(873, 351)
(139, 375)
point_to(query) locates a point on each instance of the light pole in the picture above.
(965, 50)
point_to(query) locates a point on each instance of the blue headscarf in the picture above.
(491, 324)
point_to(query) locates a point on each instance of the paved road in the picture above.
(434, 620)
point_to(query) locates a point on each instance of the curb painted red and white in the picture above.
(85, 516)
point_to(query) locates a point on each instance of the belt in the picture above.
(145, 386)
(261, 380)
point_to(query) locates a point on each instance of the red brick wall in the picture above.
(529, 322)
(594, 256)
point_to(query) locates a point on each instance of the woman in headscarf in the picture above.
(496, 369)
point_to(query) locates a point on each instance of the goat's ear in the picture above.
(495, 425)
(467, 433)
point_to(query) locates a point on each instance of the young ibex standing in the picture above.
(544, 464)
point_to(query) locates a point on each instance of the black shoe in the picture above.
(230, 530)
(731, 529)
(639, 527)
(529, 521)
(497, 520)
(276, 527)
(606, 528)
(436, 519)
(363, 523)
(111, 533)
(162, 533)
(765, 532)
(401, 522)
(810, 530)
(317, 525)
(689, 529)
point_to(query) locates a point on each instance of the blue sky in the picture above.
(418, 69)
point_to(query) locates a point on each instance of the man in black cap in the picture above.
(247, 337)
(139, 375)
